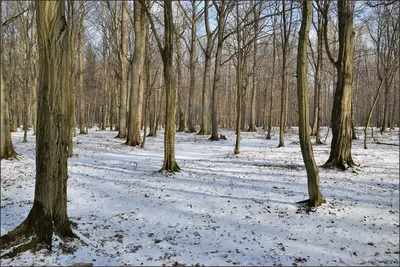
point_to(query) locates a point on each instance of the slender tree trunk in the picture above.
(285, 40)
(252, 126)
(72, 72)
(205, 122)
(181, 98)
(238, 84)
(315, 196)
(80, 72)
(192, 67)
(272, 78)
(123, 85)
(370, 112)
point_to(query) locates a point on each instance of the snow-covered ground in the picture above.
(221, 209)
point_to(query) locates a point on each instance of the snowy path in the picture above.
(220, 210)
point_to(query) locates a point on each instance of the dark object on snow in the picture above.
(223, 137)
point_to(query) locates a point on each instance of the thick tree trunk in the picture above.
(315, 196)
(340, 155)
(136, 95)
(49, 211)
(170, 164)
(7, 149)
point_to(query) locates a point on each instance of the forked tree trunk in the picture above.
(49, 211)
(167, 54)
(315, 196)
(340, 155)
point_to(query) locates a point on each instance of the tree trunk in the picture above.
(252, 126)
(205, 122)
(136, 95)
(192, 67)
(238, 84)
(49, 211)
(285, 40)
(340, 155)
(170, 164)
(72, 72)
(272, 78)
(7, 149)
(181, 98)
(123, 89)
(80, 73)
(315, 196)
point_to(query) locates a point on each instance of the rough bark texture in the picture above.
(340, 155)
(49, 211)
(170, 164)
(314, 193)
(136, 95)
(7, 149)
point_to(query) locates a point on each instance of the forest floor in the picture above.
(222, 209)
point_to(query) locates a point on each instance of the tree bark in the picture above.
(252, 126)
(340, 155)
(80, 72)
(49, 211)
(7, 148)
(123, 85)
(315, 196)
(238, 84)
(192, 67)
(137, 77)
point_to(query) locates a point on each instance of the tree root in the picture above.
(31, 245)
